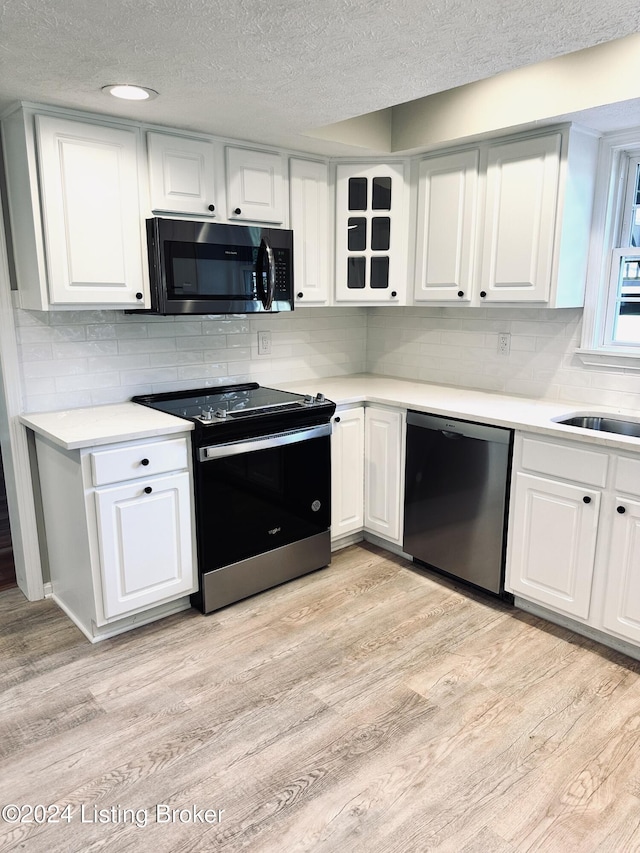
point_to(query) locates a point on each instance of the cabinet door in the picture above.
(144, 531)
(347, 472)
(181, 175)
(447, 215)
(91, 212)
(622, 598)
(371, 234)
(520, 220)
(308, 190)
(384, 472)
(552, 543)
(255, 185)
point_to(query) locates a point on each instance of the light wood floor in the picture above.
(366, 707)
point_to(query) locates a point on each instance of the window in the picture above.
(611, 333)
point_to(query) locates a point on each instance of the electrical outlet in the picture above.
(504, 343)
(264, 343)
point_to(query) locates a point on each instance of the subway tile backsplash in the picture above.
(83, 358)
(460, 347)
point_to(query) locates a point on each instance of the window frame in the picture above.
(597, 349)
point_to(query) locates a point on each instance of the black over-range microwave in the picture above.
(211, 268)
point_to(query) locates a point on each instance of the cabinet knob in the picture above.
(138, 295)
(144, 461)
(337, 419)
(147, 490)
(211, 207)
(483, 293)
(461, 293)
(394, 292)
(299, 295)
(586, 499)
(237, 211)
(621, 510)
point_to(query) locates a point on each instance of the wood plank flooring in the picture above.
(367, 707)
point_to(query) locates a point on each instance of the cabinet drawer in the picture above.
(138, 460)
(627, 475)
(569, 463)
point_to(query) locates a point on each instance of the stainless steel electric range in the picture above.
(262, 486)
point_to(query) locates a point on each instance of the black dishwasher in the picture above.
(455, 508)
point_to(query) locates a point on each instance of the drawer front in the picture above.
(138, 460)
(567, 463)
(627, 475)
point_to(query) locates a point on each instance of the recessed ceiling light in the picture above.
(129, 92)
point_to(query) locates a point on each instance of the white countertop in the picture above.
(76, 428)
(94, 425)
(485, 407)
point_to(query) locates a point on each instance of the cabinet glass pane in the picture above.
(381, 194)
(380, 272)
(355, 273)
(380, 233)
(357, 193)
(357, 234)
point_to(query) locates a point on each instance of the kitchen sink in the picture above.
(602, 424)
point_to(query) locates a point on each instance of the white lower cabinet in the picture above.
(621, 612)
(574, 533)
(553, 554)
(367, 469)
(347, 472)
(144, 532)
(119, 531)
(384, 471)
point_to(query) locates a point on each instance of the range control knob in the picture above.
(320, 398)
(221, 413)
(206, 414)
(308, 399)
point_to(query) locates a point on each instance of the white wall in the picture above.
(83, 358)
(459, 347)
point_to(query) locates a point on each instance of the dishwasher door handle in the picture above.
(454, 435)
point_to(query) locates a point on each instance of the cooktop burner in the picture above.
(207, 406)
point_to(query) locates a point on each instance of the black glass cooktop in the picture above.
(211, 406)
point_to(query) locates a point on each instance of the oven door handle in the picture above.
(234, 448)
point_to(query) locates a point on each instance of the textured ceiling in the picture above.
(270, 70)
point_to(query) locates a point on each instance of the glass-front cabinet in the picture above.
(371, 234)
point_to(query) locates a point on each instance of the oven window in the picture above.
(252, 503)
(210, 271)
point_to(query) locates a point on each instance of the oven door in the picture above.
(255, 496)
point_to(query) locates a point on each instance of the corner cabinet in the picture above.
(182, 175)
(367, 472)
(371, 234)
(508, 221)
(119, 531)
(73, 198)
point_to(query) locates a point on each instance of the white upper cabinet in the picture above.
(255, 185)
(90, 212)
(520, 220)
(507, 222)
(446, 236)
(182, 175)
(75, 212)
(371, 234)
(309, 219)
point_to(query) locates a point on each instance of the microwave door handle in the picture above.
(267, 299)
